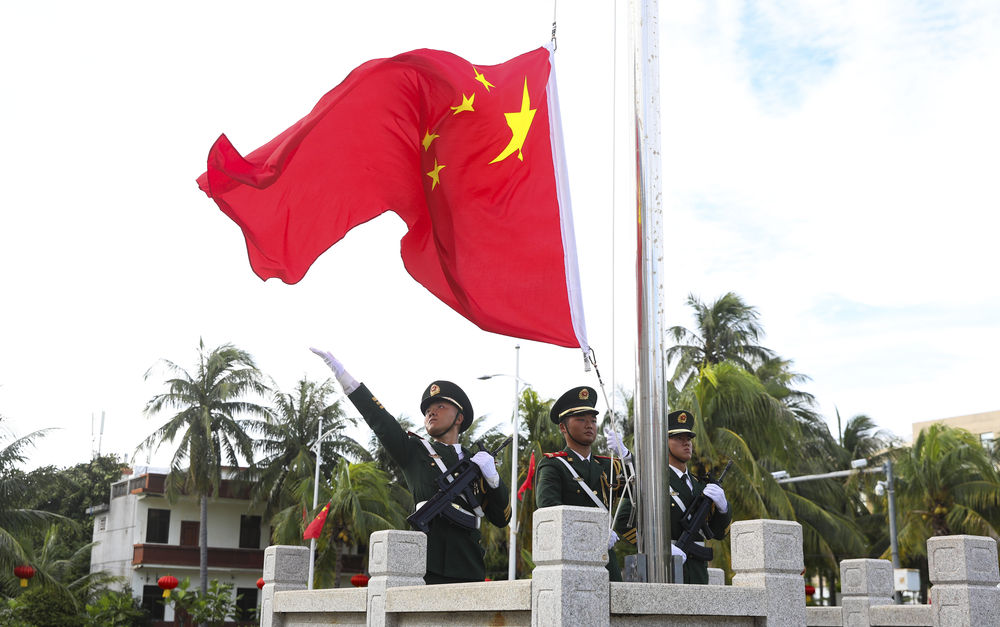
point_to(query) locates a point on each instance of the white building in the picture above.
(141, 537)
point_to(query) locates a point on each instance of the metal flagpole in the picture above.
(312, 541)
(512, 542)
(652, 495)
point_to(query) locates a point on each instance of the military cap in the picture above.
(679, 422)
(581, 400)
(448, 391)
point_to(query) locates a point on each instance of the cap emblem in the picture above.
(434, 389)
(584, 394)
(683, 418)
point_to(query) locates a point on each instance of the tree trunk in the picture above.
(337, 565)
(203, 547)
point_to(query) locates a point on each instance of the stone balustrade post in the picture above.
(395, 558)
(716, 577)
(964, 572)
(768, 554)
(569, 585)
(285, 568)
(864, 583)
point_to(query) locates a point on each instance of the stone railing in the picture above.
(569, 585)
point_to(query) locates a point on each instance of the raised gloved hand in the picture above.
(616, 445)
(488, 466)
(343, 376)
(715, 492)
(676, 551)
(612, 539)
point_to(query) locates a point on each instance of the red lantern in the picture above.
(24, 573)
(167, 583)
(260, 583)
(360, 580)
(810, 590)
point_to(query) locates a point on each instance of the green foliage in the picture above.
(38, 606)
(114, 607)
(210, 608)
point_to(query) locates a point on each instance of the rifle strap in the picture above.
(583, 484)
(444, 471)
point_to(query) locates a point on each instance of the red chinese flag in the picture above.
(470, 157)
(527, 480)
(316, 526)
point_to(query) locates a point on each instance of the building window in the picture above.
(249, 532)
(157, 525)
(102, 523)
(119, 489)
(246, 604)
(152, 601)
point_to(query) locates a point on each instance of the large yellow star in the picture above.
(435, 174)
(482, 79)
(428, 138)
(519, 123)
(466, 104)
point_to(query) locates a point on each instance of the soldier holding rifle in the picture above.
(453, 551)
(685, 491)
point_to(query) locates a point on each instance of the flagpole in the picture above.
(512, 542)
(653, 533)
(319, 456)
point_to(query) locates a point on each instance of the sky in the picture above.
(834, 163)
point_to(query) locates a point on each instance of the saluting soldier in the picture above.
(454, 553)
(573, 476)
(684, 489)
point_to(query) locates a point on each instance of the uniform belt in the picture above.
(456, 506)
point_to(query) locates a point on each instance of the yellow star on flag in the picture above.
(435, 174)
(428, 138)
(482, 79)
(466, 104)
(519, 123)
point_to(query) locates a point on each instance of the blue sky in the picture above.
(834, 163)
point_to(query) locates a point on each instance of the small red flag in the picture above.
(527, 480)
(470, 157)
(316, 526)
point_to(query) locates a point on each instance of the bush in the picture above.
(116, 608)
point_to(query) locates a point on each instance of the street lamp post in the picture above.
(512, 541)
(858, 466)
(316, 448)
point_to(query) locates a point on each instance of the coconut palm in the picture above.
(284, 443)
(726, 330)
(360, 504)
(210, 403)
(16, 520)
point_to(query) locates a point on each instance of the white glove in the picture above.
(488, 466)
(343, 376)
(715, 492)
(676, 551)
(612, 539)
(615, 444)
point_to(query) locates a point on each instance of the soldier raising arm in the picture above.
(454, 553)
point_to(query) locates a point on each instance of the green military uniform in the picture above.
(555, 484)
(681, 498)
(453, 552)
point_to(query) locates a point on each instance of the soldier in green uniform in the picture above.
(454, 553)
(573, 476)
(684, 489)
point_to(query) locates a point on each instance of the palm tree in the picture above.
(210, 403)
(726, 330)
(360, 504)
(286, 438)
(14, 519)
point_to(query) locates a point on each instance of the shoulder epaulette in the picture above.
(602, 456)
(414, 435)
(556, 454)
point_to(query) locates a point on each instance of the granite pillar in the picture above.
(864, 583)
(768, 554)
(395, 558)
(964, 574)
(285, 568)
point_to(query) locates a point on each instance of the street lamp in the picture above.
(518, 382)
(860, 466)
(316, 448)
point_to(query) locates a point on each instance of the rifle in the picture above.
(459, 480)
(695, 520)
